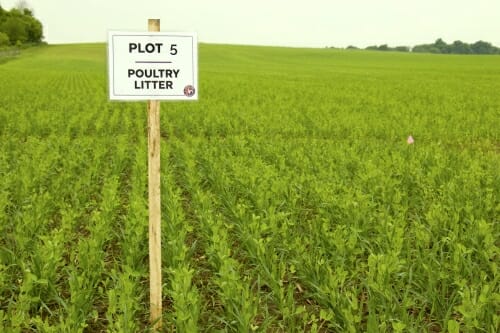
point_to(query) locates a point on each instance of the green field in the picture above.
(291, 200)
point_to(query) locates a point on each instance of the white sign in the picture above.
(152, 66)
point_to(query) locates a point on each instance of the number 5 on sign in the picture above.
(173, 49)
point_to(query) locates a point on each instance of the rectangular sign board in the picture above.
(152, 65)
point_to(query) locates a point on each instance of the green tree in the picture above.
(402, 49)
(441, 46)
(4, 39)
(459, 47)
(15, 28)
(20, 25)
(34, 29)
(383, 47)
(481, 47)
(3, 15)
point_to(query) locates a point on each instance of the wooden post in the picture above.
(155, 284)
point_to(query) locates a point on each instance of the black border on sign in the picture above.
(152, 35)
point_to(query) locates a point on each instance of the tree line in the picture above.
(440, 46)
(19, 26)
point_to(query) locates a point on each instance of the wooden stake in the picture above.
(155, 284)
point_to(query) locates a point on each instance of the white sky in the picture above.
(309, 23)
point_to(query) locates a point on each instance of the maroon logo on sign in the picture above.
(189, 91)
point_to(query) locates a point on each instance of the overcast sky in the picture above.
(309, 23)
